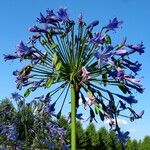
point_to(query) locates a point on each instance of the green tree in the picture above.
(145, 144)
(104, 139)
(132, 145)
(92, 137)
(81, 136)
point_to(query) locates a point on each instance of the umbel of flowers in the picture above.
(30, 125)
(72, 57)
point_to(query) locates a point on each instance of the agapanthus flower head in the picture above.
(65, 57)
(113, 24)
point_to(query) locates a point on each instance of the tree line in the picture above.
(102, 139)
(87, 139)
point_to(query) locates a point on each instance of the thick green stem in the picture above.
(73, 118)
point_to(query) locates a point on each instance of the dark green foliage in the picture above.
(90, 139)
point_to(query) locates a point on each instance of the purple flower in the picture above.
(135, 81)
(23, 50)
(135, 67)
(80, 19)
(10, 57)
(134, 115)
(34, 38)
(16, 96)
(51, 17)
(122, 105)
(36, 84)
(79, 116)
(85, 75)
(22, 80)
(104, 55)
(50, 108)
(63, 15)
(120, 74)
(130, 99)
(113, 24)
(42, 19)
(37, 29)
(10, 132)
(122, 137)
(138, 48)
(92, 24)
(97, 38)
(121, 52)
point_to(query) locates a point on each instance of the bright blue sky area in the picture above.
(17, 16)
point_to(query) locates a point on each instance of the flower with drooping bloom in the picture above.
(10, 57)
(65, 57)
(137, 47)
(16, 96)
(123, 137)
(113, 24)
(130, 99)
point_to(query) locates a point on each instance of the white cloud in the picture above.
(120, 121)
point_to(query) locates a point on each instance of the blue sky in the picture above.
(17, 16)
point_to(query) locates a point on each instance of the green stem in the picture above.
(73, 118)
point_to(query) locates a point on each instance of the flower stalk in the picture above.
(73, 118)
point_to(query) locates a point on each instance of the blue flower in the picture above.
(121, 136)
(16, 96)
(113, 24)
(10, 132)
(135, 67)
(10, 57)
(42, 19)
(92, 25)
(23, 50)
(130, 99)
(104, 55)
(97, 38)
(79, 116)
(63, 15)
(137, 48)
(121, 52)
(37, 29)
(50, 108)
(122, 105)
